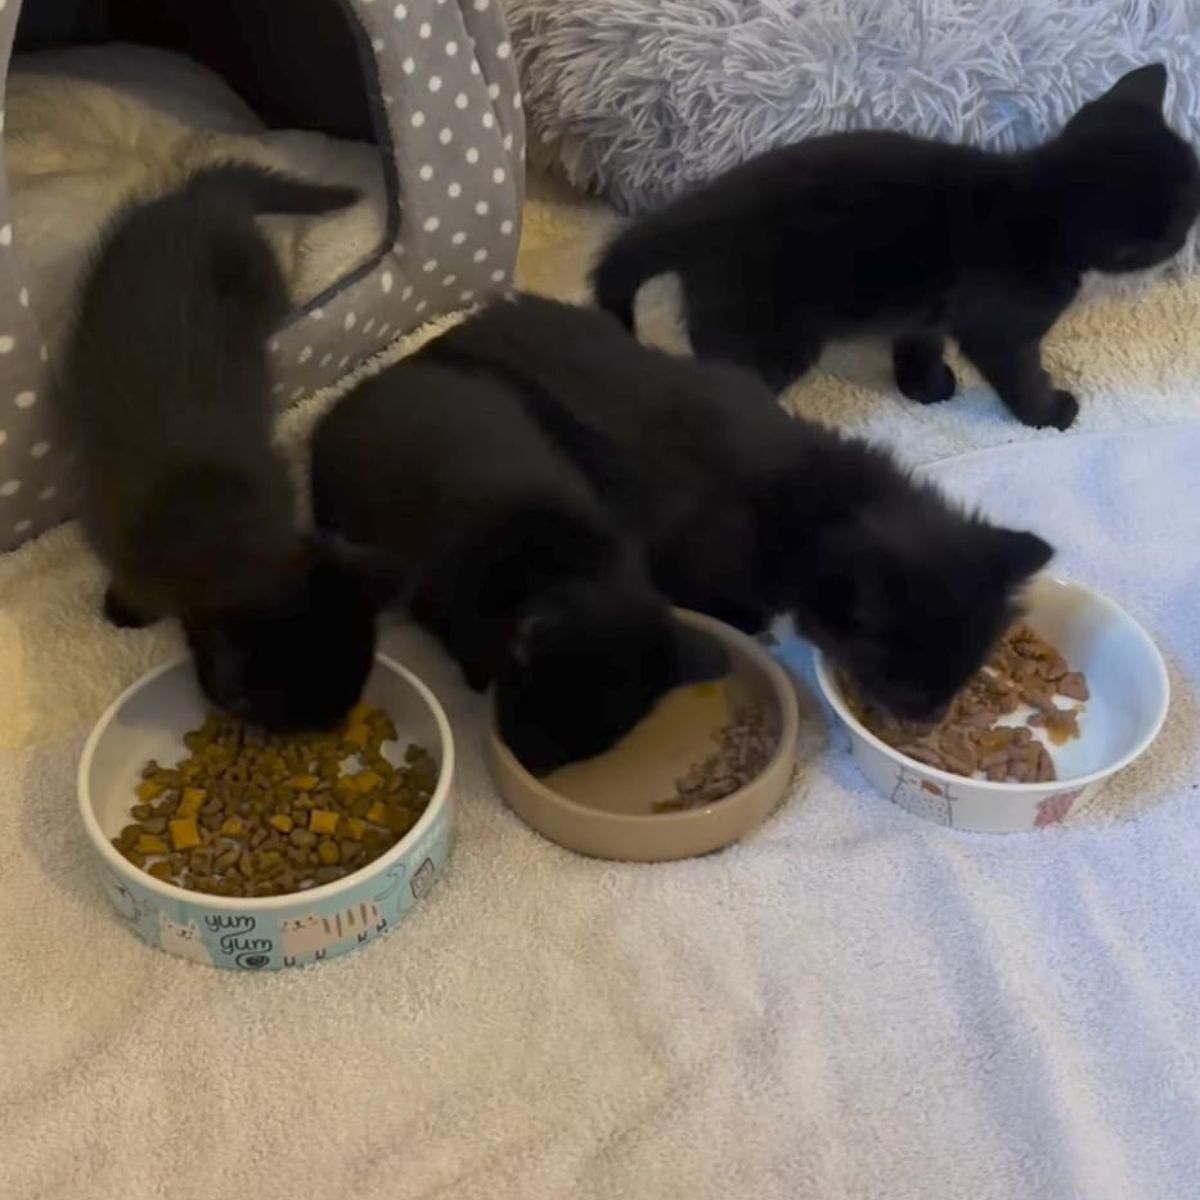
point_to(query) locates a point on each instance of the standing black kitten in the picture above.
(508, 558)
(164, 391)
(746, 513)
(882, 232)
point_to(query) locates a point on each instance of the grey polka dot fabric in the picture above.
(447, 96)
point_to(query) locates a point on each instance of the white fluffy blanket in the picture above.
(89, 128)
(852, 1003)
(637, 99)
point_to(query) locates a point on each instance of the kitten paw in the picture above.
(118, 613)
(931, 389)
(1066, 409)
(1058, 413)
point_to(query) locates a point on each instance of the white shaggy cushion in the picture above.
(637, 99)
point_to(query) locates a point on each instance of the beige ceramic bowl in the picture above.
(617, 829)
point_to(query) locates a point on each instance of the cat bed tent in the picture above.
(429, 83)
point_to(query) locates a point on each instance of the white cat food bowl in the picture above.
(255, 934)
(1126, 709)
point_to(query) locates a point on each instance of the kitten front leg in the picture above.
(920, 372)
(121, 614)
(1015, 370)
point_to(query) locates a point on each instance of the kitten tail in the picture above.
(641, 251)
(267, 191)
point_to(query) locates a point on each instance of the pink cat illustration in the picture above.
(1053, 810)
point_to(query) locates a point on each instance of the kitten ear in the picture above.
(840, 581)
(486, 648)
(698, 658)
(530, 629)
(217, 659)
(1146, 87)
(1015, 555)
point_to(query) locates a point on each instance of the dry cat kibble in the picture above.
(253, 814)
(1024, 670)
(744, 747)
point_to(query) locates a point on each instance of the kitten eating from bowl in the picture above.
(165, 394)
(745, 513)
(506, 556)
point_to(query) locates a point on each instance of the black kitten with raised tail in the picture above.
(746, 513)
(164, 392)
(875, 232)
(508, 558)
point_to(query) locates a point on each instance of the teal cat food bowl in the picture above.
(148, 721)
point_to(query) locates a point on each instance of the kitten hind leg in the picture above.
(920, 372)
(117, 612)
(788, 361)
(1015, 370)
(730, 335)
(717, 335)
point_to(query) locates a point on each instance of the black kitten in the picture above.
(297, 658)
(882, 232)
(508, 558)
(746, 513)
(164, 391)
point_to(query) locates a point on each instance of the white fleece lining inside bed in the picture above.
(90, 127)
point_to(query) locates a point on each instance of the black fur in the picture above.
(164, 392)
(882, 232)
(507, 558)
(297, 660)
(746, 513)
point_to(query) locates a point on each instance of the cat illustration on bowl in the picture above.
(314, 936)
(184, 940)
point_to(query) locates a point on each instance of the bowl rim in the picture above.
(789, 732)
(833, 696)
(326, 891)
